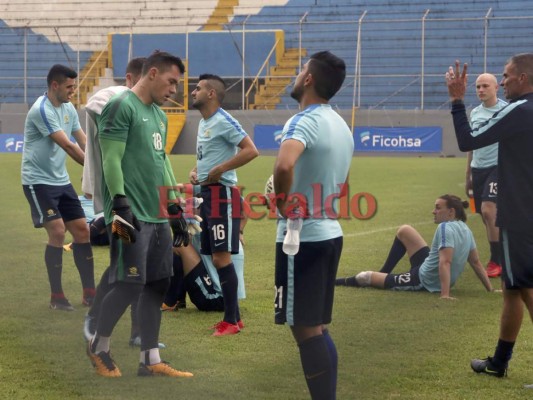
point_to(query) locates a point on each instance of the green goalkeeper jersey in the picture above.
(143, 129)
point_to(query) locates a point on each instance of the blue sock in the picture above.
(334, 359)
(503, 353)
(229, 284)
(317, 367)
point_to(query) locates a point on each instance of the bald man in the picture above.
(482, 168)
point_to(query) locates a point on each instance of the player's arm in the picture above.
(112, 153)
(475, 263)
(445, 266)
(289, 153)
(72, 149)
(80, 137)
(468, 175)
(247, 153)
(193, 176)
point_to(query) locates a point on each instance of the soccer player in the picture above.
(222, 147)
(132, 134)
(54, 204)
(512, 128)
(92, 182)
(434, 269)
(196, 275)
(316, 149)
(482, 168)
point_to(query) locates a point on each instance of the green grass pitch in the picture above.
(390, 345)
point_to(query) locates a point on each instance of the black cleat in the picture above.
(486, 366)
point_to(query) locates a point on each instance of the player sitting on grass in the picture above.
(434, 269)
(197, 275)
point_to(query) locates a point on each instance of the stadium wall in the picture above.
(12, 122)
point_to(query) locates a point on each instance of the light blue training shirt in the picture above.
(454, 234)
(217, 142)
(321, 168)
(486, 156)
(43, 161)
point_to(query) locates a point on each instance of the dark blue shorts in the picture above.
(408, 281)
(221, 213)
(305, 283)
(48, 202)
(517, 259)
(484, 185)
(201, 290)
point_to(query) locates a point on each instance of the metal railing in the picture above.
(392, 63)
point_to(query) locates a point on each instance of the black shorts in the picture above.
(221, 214)
(408, 281)
(517, 259)
(305, 283)
(148, 259)
(201, 291)
(484, 185)
(48, 202)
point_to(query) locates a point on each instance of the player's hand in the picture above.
(193, 177)
(124, 222)
(214, 175)
(448, 298)
(193, 224)
(456, 81)
(176, 219)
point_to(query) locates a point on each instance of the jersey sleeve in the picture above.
(46, 120)
(115, 120)
(302, 128)
(233, 131)
(445, 236)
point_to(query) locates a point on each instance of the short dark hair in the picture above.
(457, 204)
(524, 64)
(219, 85)
(328, 72)
(135, 66)
(59, 73)
(162, 61)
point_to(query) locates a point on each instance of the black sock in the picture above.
(318, 367)
(348, 281)
(495, 252)
(396, 252)
(503, 353)
(53, 258)
(334, 360)
(84, 260)
(114, 304)
(103, 288)
(229, 284)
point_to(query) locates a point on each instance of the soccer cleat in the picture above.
(103, 363)
(61, 304)
(162, 369)
(89, 327)
(136, 342)
(485, 366)
(224, 328)
(165, 307)
(493, 270)
(240, 324)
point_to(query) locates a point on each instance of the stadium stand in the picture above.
(404, 45)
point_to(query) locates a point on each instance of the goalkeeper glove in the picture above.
(178, 225)
(124, 222)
